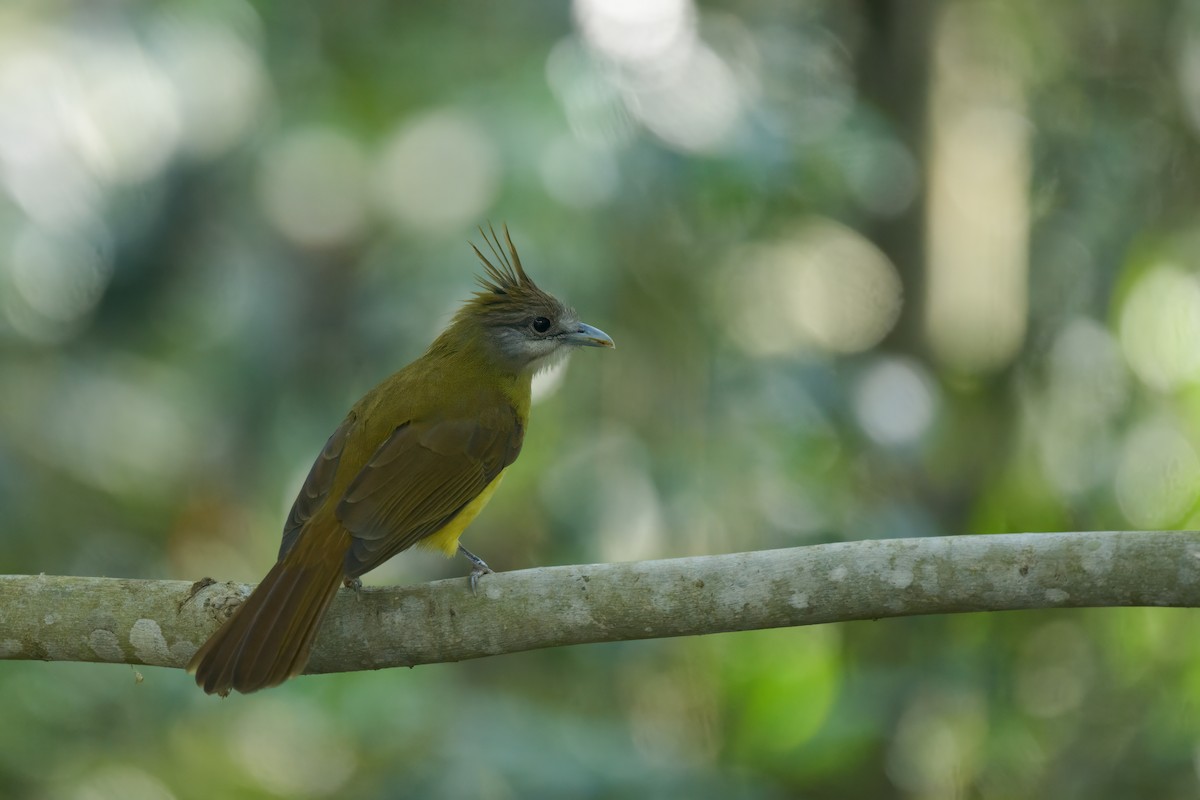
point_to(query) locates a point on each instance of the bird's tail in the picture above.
(268, 638)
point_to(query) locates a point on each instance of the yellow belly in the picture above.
(446, 538)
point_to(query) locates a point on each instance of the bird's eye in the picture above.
(541, 324)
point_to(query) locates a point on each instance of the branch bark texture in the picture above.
(162, 623)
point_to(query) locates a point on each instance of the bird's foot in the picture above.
(478, 567)
(354, 585)
(476, 571)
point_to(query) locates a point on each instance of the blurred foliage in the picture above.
(873, 269)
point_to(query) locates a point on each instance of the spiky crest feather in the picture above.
(508, 293)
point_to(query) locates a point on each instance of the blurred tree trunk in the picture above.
(893, 71)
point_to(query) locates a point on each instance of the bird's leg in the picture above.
(354, 585)
(478, 567)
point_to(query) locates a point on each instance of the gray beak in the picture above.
(587, 336)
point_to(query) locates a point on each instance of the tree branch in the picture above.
(163, 622)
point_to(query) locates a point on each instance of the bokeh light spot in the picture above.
(438, 173)
(1088, 386)
(669, 79)
(128, 124)
(1055, 669)
(693, 103)
(825, 287)
(635, 30)
(57, 278)
(1160, 327)
(622, 513)
(1088, 379)
(312, 186)
(589, 95)
(895, 401)
(292, 749)
(120, 782)
(219, 81)
(1158, 476)
(938, 744)
(39, 166)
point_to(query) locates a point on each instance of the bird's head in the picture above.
(526, 328)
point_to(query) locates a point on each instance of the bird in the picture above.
(413, 463)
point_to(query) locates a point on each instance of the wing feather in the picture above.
(419, 479)
(317, 485)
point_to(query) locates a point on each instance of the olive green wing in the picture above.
(419, 479)
(317, 485)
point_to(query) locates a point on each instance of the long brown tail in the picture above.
(268, 639)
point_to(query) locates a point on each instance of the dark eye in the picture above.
(541, 324)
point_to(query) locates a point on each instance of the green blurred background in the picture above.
(874, 269)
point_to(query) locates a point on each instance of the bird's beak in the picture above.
(587, 336)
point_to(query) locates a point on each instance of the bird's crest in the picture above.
(506, 287)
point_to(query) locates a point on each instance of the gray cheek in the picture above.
(522, 352)
(512, 345)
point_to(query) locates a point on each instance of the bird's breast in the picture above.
(446, 538)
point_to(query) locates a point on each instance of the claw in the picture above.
(478, 567)
(474, 576)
